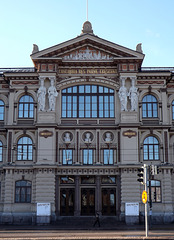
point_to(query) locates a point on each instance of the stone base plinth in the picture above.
(47, 117)
(43, 219)
(129, 117)
(131, 220)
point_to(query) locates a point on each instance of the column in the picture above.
(77, 197)
(98, 206)
(7, 216)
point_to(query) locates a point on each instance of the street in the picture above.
(26, 234)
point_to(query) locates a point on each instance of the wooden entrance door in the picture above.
(109, 201)
(67, 202)
(87, 201)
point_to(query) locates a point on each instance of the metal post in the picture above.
(150, 199)
(145, 183)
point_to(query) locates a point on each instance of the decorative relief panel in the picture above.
(88, 54)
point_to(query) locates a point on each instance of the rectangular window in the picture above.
(67, 180)
(87, 180)
(88, 156)
(155, 191)
(108, 180)
(1, 112)
(67, 156)
(108, 156)
(23, 192)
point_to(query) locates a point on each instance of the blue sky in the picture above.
(50, 22)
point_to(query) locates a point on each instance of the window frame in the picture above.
(85, 101)
(149, 108)
(2, 108)
(25, 149)
(1, 151)
(64, 151)
(173, 110)
(90, 159)
(154, 190)
(109, 161)
(26, 107)
(150, 149)
(19, 190)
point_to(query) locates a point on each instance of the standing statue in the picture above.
(133, 96)
(123, 93)
(52, 94)
(41, 93)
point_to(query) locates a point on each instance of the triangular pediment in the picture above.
(86, 47)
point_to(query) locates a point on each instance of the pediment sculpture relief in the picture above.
(88, 54)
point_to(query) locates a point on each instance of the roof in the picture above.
(17, 70)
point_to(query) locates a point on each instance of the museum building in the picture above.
(75, 129)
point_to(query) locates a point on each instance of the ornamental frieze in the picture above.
(80, 171)
(150, 82)
(24, 82)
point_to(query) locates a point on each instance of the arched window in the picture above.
(173, 110)
(88, 101)
(0, 151)
(25, 149)
(151, 148)
(23, 191)
(26, 107)
(1, 110)
(155, 190)
(149, 107)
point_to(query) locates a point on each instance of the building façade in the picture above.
(69, 140)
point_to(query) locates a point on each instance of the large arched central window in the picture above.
(87, 101)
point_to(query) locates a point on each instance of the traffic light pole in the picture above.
(145, 183)
(150, 200)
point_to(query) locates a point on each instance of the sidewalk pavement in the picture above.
(67, 232)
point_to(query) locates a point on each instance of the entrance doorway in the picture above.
(67, 202)
(87, 201)
(109, 201)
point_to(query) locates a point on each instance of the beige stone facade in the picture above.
(83, 156)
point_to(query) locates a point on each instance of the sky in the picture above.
(50, 22)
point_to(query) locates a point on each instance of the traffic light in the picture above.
(140, 175)
(156, 169)
(152, 170)
(154, 194)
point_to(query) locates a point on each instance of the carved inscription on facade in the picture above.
(46, 134)
(87, 71)
(129, 133)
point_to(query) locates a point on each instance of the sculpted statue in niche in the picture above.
(87, 137)
(133, 96)
(52, 94)
(123, 93)
(67, 137)
(41, 93)
(108, 137)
